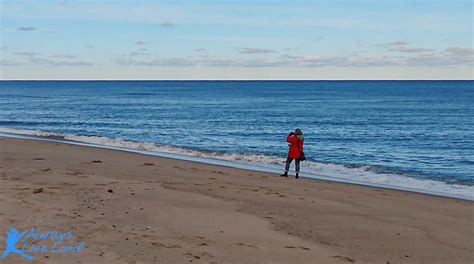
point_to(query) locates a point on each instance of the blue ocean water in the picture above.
(395, 132)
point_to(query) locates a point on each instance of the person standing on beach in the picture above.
(296, 141)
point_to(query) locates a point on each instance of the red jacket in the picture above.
(296, 146)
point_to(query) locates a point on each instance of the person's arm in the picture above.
(291, 137)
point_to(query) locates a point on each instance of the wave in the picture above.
(366, 175)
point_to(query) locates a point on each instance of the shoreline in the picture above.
(233, 164)
(163, 210)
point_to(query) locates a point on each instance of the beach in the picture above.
(132, 208)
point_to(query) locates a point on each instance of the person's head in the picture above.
(298, 132)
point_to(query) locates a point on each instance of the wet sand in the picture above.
(131, 208)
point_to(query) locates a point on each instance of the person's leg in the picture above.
(297, 167)
(287, 166)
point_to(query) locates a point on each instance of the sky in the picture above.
(259, 39)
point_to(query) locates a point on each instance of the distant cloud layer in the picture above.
(413, 57)
(142, 56)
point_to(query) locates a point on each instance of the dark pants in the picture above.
(297, 164)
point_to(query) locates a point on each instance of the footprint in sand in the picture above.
(69, 184)
(245, 245)
(305, 248)
(39, 190)
(148, 164)
(161, 245)
(179, 168)
(191, 255)
(74, 173)
(38, 159)
(97, 161)
(343, 258)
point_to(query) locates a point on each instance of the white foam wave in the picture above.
(311, 169)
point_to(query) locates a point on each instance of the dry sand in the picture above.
(170, 211)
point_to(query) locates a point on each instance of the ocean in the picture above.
(415, 135)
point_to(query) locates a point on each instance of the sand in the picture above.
(131, 208)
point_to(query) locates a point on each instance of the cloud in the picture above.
(403, 46)
(62, 56)
(50, 60)
(27, 54)
(460, 51)
(394, 43)
(27, 29)
(200, 49)
(167, 24)
(224, 62)
(55, 62)
(138, 53)
(254, 51)
(408, 49)
(286, 56)
(310, 59)
(140, 43)
(130, 60)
